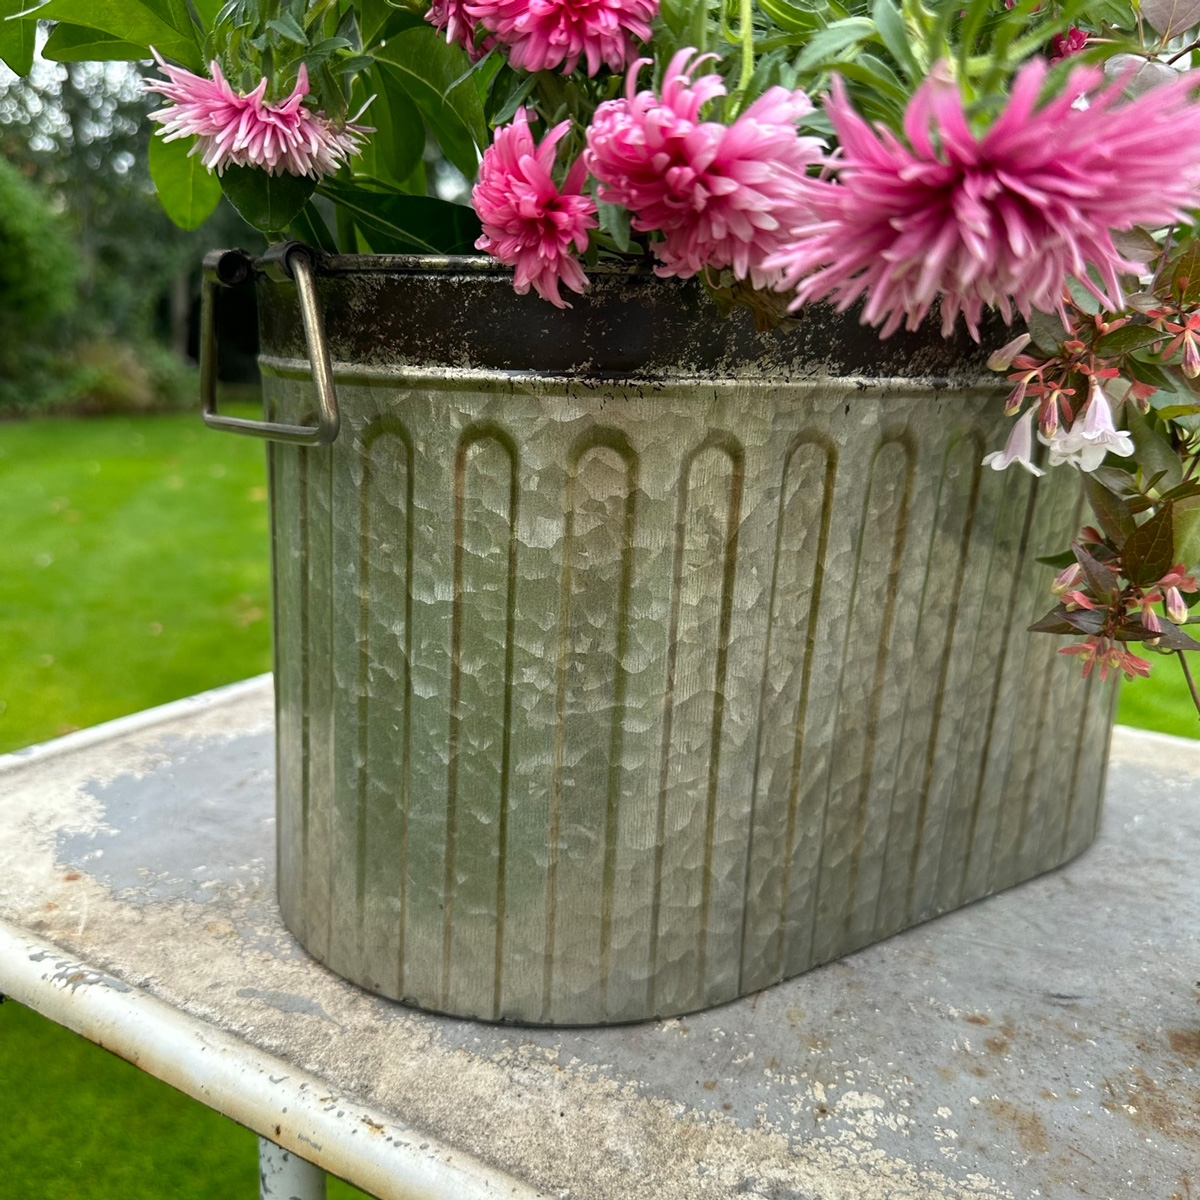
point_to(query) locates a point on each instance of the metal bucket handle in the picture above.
(288, 260)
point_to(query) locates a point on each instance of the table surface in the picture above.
(1041, 1042)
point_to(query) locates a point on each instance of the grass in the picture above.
(136, 572)
(137, 568)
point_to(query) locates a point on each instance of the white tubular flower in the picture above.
(1092, 435)
(1018, 448)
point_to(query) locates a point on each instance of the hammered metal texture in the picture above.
(614, 692)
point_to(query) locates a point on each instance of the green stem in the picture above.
(747, 39)
(347, 239)
(1188, 676)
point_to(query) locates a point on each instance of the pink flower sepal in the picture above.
(1096, 651)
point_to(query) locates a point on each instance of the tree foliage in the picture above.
(37, 268)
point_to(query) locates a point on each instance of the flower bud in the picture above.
(1066, 579)
(1001, 360)
(1191, 358)
(1015, 399)
(1177, 612)
(1150, 619)
(1048, 425)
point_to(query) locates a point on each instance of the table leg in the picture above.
(284, 1176)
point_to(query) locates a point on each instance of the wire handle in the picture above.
(290, 260)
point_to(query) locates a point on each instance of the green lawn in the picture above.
(135, 571)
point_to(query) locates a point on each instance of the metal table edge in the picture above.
(108, 731)
(291, 1108)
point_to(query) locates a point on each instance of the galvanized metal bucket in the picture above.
(628, 659)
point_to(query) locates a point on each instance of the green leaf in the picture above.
(1186, 517)
(1058, 561)
(1047, 331)
(1114, 515)
(1185, 274)
(380, 21)
(1149, 552)
(793, 18)
(287, 27)
(614, 220)
(399, 140)
(158, 23)
(186, 189)
(507, 95)
(875, 73)
(17, 38)
(894, 33)
(1144, 372)
(1152, 452)
(1120, 483)
(74, 43)
(268, 202)
(834, 40)
(309, 227)
(1183, 491)
(1171, 411)
(207, 11)
(426, 68)
(397, 223)
(1127, 339)
(1137, 243)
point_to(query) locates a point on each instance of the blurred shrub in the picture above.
(113, 377)
(37, 266)
(128, 283)
(100, 377)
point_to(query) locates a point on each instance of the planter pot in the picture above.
(629, 660)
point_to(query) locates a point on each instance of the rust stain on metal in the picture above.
(1028, 1126)
(1171, 1107)
(1186, 1043)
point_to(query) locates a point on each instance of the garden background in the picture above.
(135, 563)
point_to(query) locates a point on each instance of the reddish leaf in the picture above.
(1101, 580)
(1064, 620)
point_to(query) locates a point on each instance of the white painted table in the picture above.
(1043, 1042)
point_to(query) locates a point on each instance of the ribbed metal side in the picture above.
(610, 701)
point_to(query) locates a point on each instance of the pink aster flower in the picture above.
(1000, 219)
(542, 34)
(529, 222)
(451, 17)
(721, 195)
(248, 131)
